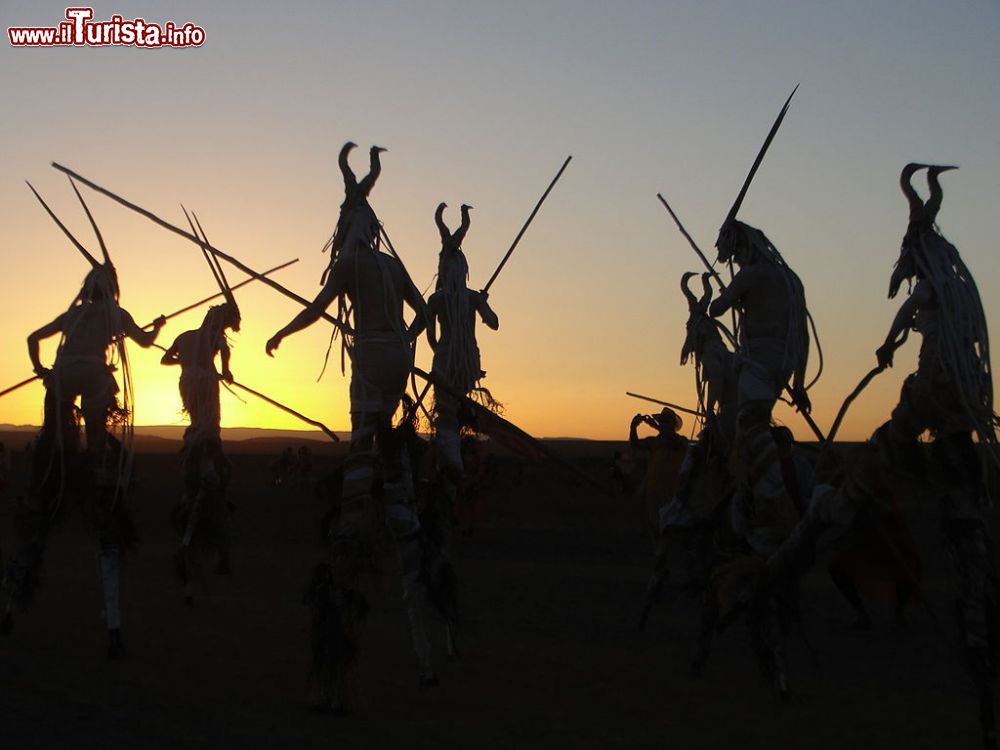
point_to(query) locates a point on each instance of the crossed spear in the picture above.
(225, 291)
(825, 440)
(94, 262)
(199, 239)
(731, 216)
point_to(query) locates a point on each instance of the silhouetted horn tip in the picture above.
(688, 294)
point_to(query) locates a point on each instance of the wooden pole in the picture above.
(20, 385)
(215, 251)
(690, 239)
(526, 224)
(289, 410)
(666, 403)
(199, 303)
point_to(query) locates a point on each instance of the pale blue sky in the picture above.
(480, 103)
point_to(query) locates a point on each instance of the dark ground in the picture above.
(551, 589)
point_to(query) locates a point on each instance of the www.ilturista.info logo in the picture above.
(80, 31)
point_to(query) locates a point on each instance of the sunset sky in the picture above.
(480, 103)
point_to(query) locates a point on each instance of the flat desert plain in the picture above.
(551, 588)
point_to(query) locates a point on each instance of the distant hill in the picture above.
(176, 432)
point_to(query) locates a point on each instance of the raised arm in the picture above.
(634, 440)
(51, 329)
(921, 295)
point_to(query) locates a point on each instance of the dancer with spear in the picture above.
(92, 345)
(456, 353)
(772, 333)
(201, 516)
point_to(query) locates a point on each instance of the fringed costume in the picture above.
(201, 515)
(370, 287)
(696, 510)
(950, 394)
(773, 353)
(95, 478)
(456, 353)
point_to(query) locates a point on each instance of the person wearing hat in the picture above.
(665, 452)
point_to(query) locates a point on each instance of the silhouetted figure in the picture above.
(773, 352)
(201, 515)
(950, 394)
(704, 481)
(773, 348)
(456, 354)
(375, 285)
(92, 346)
(665, 452)
(195, 351)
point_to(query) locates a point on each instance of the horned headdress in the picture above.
(462, 364)
(453, 267)
(923, 218)
(357, 224)
(697, 316)
(963, 346)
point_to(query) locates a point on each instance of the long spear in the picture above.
(665, 403)
(288, 409)
(199, 303)
(805, 415)
(174, 314)
(850, 399)
(869, 377)
(690, 239)
(187, 235)
(499, 428)
(19, 385)
(278, 404)
(709, 266)
(527, 223)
